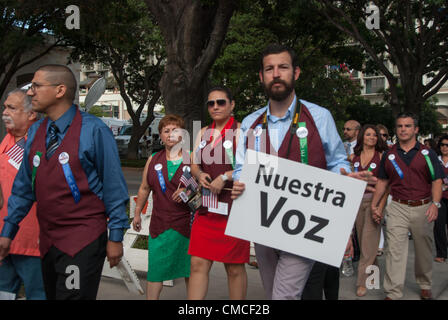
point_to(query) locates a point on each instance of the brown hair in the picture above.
(380, 144)
(171, 119)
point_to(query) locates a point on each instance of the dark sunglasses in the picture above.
(444, 144)
(219, 102)
(384, 135)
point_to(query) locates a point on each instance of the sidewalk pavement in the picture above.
(113, 289)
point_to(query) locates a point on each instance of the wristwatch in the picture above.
(224, 177)
(437, 204)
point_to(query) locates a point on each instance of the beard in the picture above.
(279, 95)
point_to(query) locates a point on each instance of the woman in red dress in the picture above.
(213, 161)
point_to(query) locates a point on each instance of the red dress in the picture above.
(207, 239)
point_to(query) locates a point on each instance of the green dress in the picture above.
(167, 253)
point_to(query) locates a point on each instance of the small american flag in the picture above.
(209, 199)
(187, 179)
(16, 152)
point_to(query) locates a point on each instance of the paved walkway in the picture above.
(112, 289)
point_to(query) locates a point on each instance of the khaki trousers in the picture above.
(400, 219)
(369, 233)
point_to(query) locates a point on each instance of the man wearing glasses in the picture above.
(351, 130)
(73, 172)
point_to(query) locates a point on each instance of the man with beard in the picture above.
(23, 263)
(300, 131)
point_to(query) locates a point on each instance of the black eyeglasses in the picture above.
(384, 135)
(444, 144)
(219, 102)
(348, 129)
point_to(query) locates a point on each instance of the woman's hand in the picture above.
(205, 180)
(217, 185)
(137, 223)
(176, 197)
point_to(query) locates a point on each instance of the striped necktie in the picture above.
(53, 144)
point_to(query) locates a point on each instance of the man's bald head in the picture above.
(351, 130)
(60, 74)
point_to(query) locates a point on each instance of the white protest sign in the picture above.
(295, 208)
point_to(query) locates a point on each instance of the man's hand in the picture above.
(349, 248)
(432, 212)
(114, 252)
(362, 175)
(5, 244)
(237, 190)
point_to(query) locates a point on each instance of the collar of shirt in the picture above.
(443, 163)
(64, 121)
(288, 115)
(416, 147)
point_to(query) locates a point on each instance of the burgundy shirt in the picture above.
(221, 162)
(67, 225)
(316, 153)
(166, 213)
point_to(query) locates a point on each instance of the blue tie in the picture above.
(53, 144)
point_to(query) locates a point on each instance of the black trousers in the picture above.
(323, 279)
(440, 226)
(74, 278)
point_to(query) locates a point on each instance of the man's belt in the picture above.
(412, 203)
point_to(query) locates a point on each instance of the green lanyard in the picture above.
(303, 145)
(431, 168)
(303, 140)
(229, 152)
(35, 165)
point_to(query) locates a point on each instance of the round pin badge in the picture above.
(186, 168)
(302, 132)
(202, 144)
(227, 144)
(356, 164)
(63, 158)
(36, 161)
(158, 167)
(425, 152)
(373, 165)
(391, 157)
(258, 131)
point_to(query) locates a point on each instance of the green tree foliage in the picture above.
(122, 35)
(25, 34)
(412, 34)
(317, 43)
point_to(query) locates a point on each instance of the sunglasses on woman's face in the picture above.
(444, 144)
(219, 102)
(384, 135)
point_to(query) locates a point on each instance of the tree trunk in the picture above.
(193, 32)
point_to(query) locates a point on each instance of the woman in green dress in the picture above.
(169, 230)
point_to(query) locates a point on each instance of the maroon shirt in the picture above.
(416, 183)
(166, 213)
(376, 159)
(221, 163)
(316, 153)
(67, 225)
